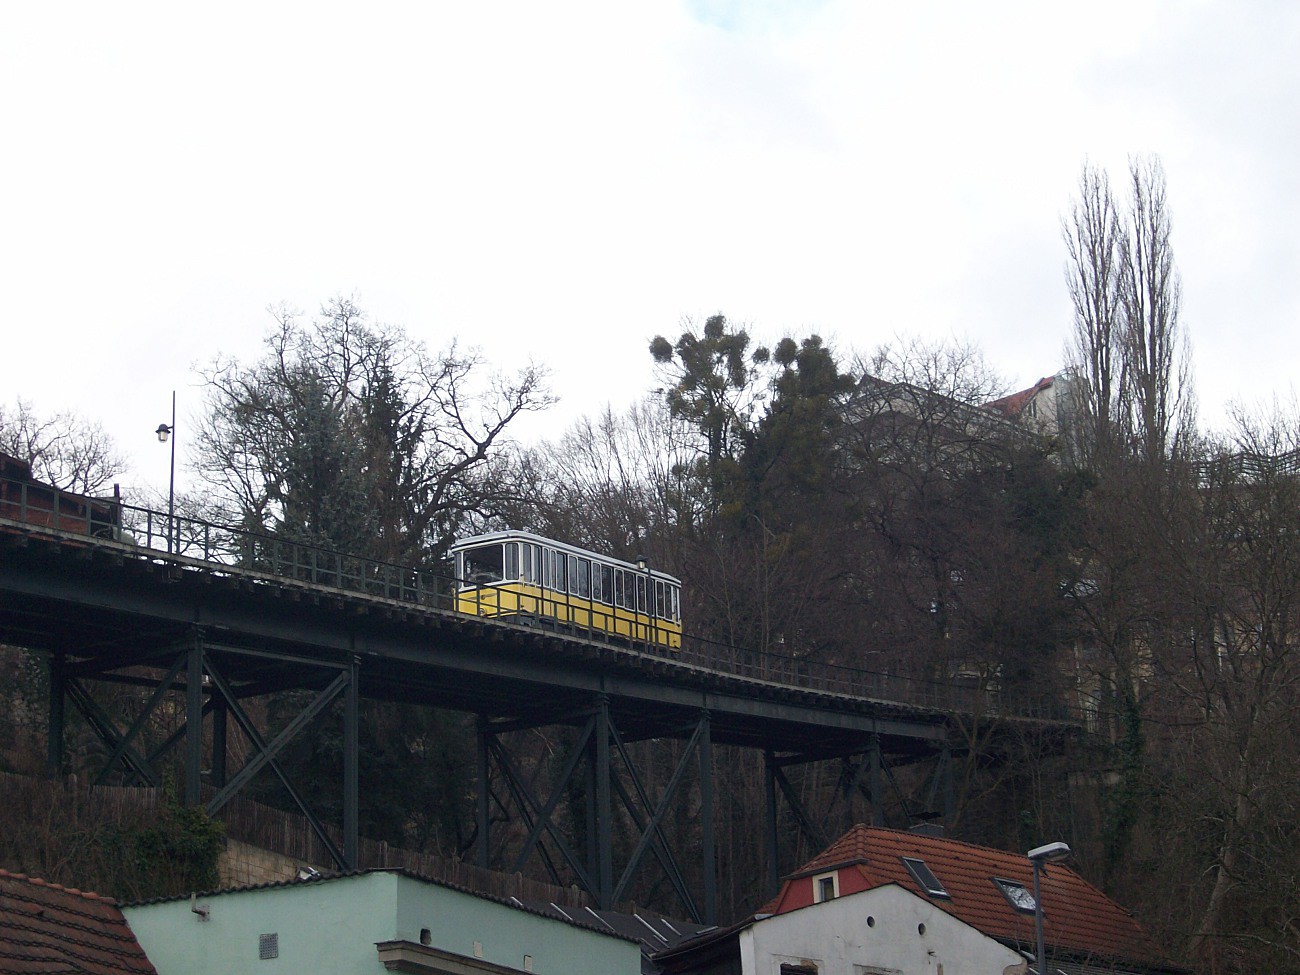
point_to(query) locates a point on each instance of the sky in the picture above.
(556, 183)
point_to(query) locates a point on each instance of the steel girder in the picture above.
(205, 691)
(862, 773)
(600, 768)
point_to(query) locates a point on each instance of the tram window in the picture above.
(512, 560)
(620, 589)
(640, 593)
(536, 561)
(597, 587)
(661, 600)
(484, 564)
(677, 604)
(554, 563)
(607, 584)
(579, 576)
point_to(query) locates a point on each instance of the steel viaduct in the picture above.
(204, 619)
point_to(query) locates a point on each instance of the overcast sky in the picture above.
(558, 182)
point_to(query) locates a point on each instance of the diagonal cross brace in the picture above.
(544, 815)
(107, 731)
(809, 827)
(651, 832)
(266, 753)
(529, 806)
(124, 743)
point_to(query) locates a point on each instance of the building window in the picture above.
(268, 946)
(925, 877)
(803, 968)
(826, 887)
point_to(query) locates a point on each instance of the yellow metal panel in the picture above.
(520, 599)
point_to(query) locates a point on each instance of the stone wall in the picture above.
(242, 865)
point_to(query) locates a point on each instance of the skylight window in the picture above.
(1020, 897)
(925, 877)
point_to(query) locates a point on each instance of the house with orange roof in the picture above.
(46, 928)
(887, 901)
(1038, 407)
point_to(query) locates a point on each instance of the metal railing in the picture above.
(275, 559)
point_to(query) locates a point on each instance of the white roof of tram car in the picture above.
(521, 536)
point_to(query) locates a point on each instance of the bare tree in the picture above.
(1157, 393)
(346, 432)
(617, 484)
(64, 449)
(1129, 362)
(1092, 235)
(1233, 682)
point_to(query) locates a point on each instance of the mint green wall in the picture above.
(331, 926)
(455, 921)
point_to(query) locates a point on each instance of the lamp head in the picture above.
(642, 563)
(1050, 853)
(163, 431)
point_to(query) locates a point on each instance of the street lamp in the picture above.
(165, 432)
(1040, 857)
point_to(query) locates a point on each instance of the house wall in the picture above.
(333, 925)
(327, 926)
(871, 932)
(479, 928)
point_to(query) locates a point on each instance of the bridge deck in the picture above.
(107, 604)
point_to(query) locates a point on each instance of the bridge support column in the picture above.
(604, 808)
(877, 786)
(483, 805)
(351, 778)
(219, 742)
(54, 721)
(949, 795)
(706, 821)
(194, 722)
(769, 821)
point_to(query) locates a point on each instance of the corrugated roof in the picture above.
(1078, 918)
(49, 929)
(574, 916)
(655, 933)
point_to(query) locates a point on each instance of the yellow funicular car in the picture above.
(532, 579)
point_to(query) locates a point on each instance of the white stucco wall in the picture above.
(875, 931)
(332, 926)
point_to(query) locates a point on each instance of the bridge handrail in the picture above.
(194, 541)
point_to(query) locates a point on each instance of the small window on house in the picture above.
(803, 968)
(1020, 897)
(924, 877)
(826, 887)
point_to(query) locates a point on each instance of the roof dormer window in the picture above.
(925, 877)
(826, 887)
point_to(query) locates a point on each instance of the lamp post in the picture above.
(1040, 857)
(165, 432)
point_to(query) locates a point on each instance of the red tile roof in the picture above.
(1079, 920)
(1011, 406)
(52, 930)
